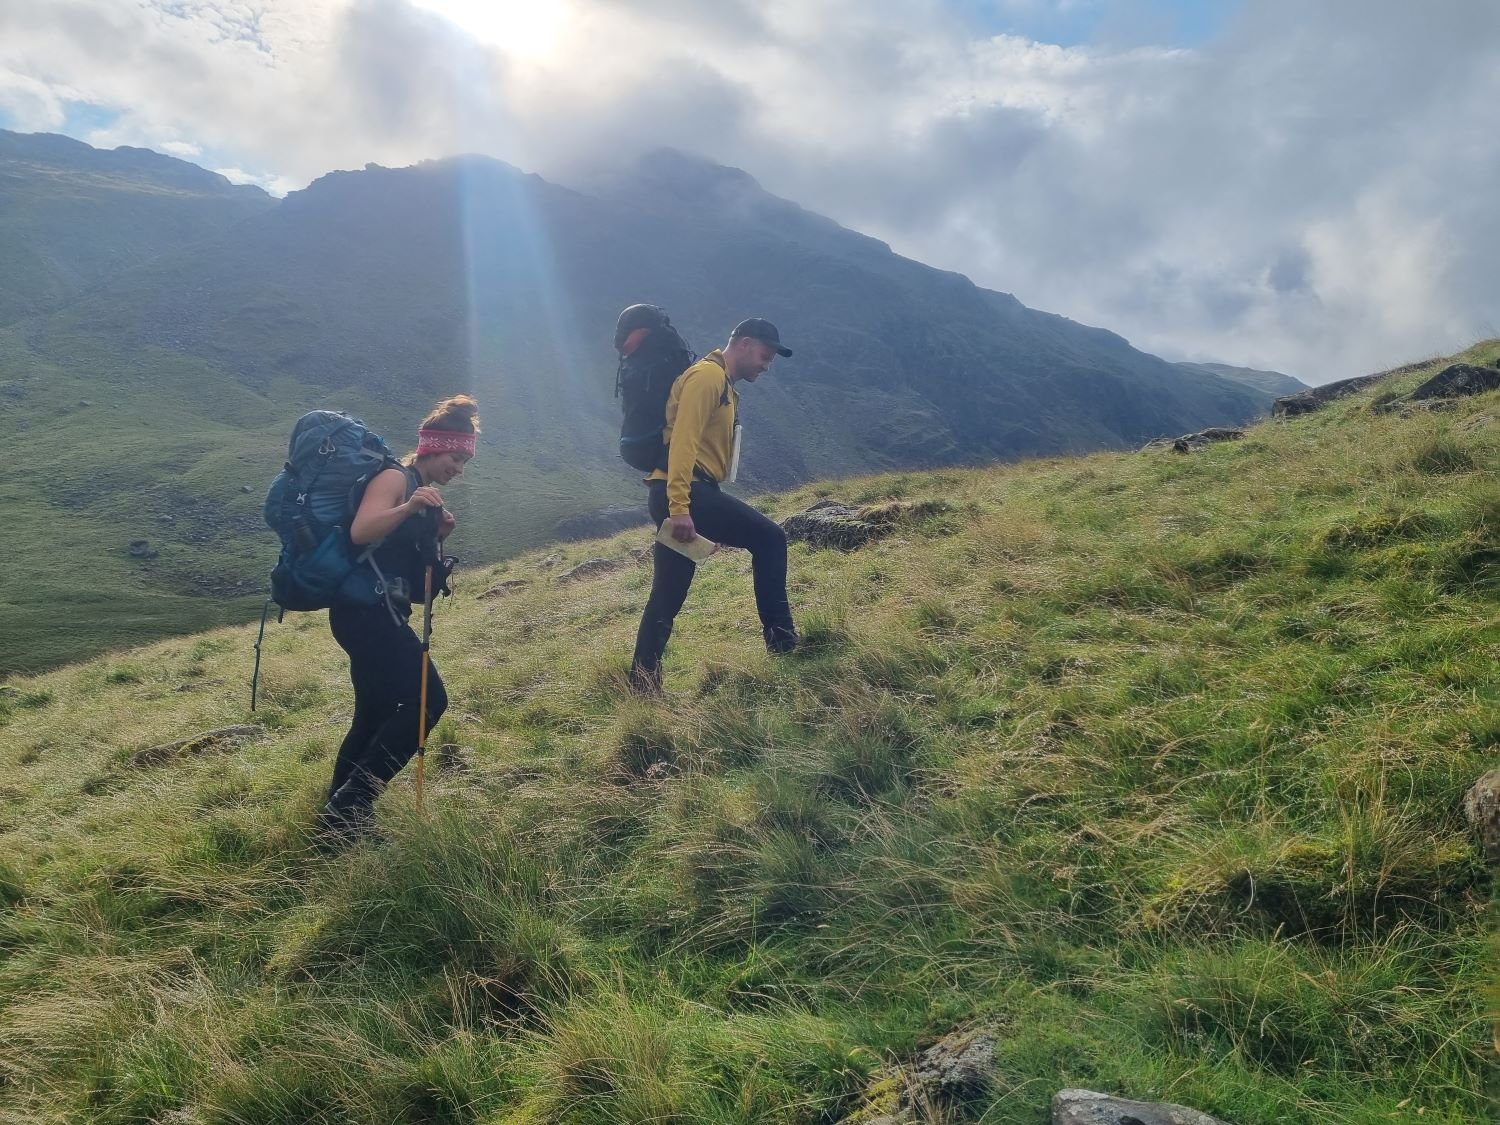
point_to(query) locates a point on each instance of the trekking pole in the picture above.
(255, 677)
(422, 705)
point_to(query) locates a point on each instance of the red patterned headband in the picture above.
(445, 441)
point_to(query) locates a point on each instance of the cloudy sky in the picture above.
(1307, 185)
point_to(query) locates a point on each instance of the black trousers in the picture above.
(724, 519)
(385, 665)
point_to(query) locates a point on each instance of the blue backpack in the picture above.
(330, 460)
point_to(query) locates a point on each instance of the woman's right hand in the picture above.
(423, 498)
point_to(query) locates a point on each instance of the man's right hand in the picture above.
(682, 528)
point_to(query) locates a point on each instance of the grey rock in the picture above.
(1453, 382)
(958, 1068)
(1316, 397)
(956, 1071)
(1482, 808)
(550, 561)
(141, 549)
(85, 402)
(1086, 1107)
(590, 568)
(1458, 380)
(246, 488)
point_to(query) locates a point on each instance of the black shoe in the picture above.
(645, 681)
(781, 639)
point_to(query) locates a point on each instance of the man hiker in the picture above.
(700, 432)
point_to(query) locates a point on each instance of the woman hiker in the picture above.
(402, 511)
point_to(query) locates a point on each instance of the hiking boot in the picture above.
(336, 828)
(781, 639)
(645, 681)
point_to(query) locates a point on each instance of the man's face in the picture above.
(754, 358)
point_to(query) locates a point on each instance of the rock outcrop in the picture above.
(1190, 443)
(830, 523)
(1316, 397)
(1086, 1107)
(1452, 382)
(1482, 808)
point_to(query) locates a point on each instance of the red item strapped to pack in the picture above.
(445, 441)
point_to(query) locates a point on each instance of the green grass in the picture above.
(1151, 763)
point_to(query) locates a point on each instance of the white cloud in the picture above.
(1310, 191)
(33, 106)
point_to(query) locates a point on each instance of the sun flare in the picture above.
(525, 29)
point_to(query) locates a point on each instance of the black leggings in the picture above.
(722, 518)
(385, 664)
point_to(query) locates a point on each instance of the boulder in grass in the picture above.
(830, 523)
(1191, 443)
(955, 1073)
(208, 742)
(1453, 382)
(1482, 808)
(1314, 398)
(1086, 1107)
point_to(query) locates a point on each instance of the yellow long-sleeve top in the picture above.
(700, 428)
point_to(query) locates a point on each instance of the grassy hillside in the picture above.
(73, 216)
(1273, 382)
(1149, 764)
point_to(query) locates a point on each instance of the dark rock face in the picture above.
(1316, 397)
(605, 521)
(1085, 1107)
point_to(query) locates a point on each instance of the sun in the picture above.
(526, 29)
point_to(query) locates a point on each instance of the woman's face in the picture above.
(440, 468)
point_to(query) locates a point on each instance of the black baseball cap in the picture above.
(762, 330)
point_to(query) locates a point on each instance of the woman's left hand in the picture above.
(446, 524)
